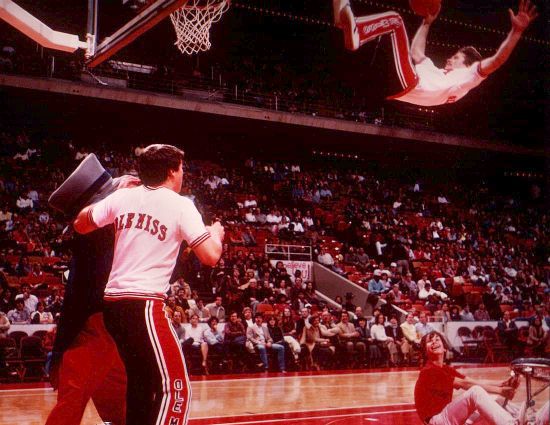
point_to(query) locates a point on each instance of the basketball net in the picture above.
(192, 23)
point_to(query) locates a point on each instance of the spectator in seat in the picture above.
(321, 350)
(248, 237)
(7, 300)
(394, 331)
(508, 332)
(234, 335)
(289, 331)
(201, 311)
(409, 286)
(481, 313)
(258, 335)
(428, 291)
(214, 337)
(349, 338)
(455, 314)
(325, 258)
(194, 340)
(23, 268)
(296, 288)
(20, 314)
(466, 315)
(41, 316)
(423, 327)
(177, 324)
(172, 307)
(29, 299)
(443, 314)
(302, 322)
(54, 303)
(311, 294)
(385, 342)
(395, 296)
(375, 285)
(251, 294)
(362, 259)
(182, 300)
(248, 320)
(277, 335)
(365, 337)
(216, 309)
(537, 338)
(411, 341)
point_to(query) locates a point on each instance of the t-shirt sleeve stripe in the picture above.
(200, 240)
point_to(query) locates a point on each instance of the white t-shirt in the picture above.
(150, 225)
(437, 87)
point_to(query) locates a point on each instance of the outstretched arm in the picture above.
(527, 12)
(506, 389)
(418, 45)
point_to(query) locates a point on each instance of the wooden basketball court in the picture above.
(383, 396)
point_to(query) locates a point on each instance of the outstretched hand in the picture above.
(527, 12)
(428, 19)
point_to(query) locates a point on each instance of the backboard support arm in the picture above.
(35, 29)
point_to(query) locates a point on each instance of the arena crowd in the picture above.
(439, 251)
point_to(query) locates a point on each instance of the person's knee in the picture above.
(476, 392)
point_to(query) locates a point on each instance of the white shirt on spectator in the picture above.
(325, 259)
(33, 194)
(379, 246)
(298, 228)
(24, 203)
(308, 221)
(250, 217)
(424, 294)
(273, 218)
(197, 333)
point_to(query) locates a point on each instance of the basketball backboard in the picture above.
(119, 22)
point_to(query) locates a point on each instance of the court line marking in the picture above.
(323, 376)
(284, 412)
(312, 417)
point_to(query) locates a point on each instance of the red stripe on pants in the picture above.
(176, 390)
(90, 368)
(373, 26)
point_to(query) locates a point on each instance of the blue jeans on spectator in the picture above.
(280, 349)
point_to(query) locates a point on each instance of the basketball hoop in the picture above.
(192, 23)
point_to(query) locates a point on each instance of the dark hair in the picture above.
(471, 55)
(156, 161)
(428, 337)
(258, 315)
(213, 319)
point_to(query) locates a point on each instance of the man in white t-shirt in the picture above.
(422, 83)
(150, 223)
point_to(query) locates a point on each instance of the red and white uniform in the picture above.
(437, 86)
(149, 224)
(422, 84)
(433, 399)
